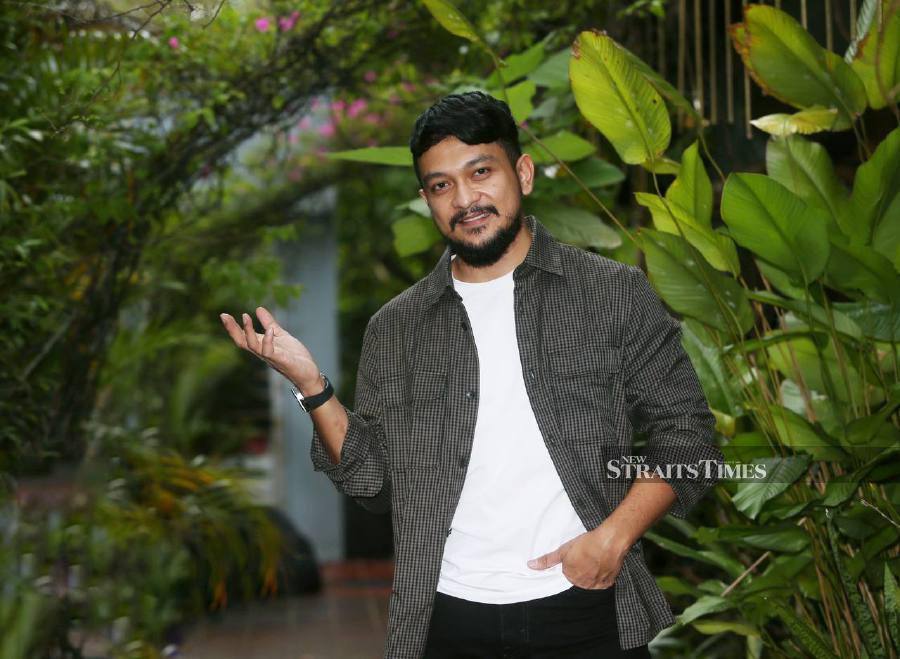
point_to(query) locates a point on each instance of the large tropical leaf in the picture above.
(776, 225)
(854, 267)
(780, 473)
(617, 99)
(876, 198)
(683, 279)
(575, 226)
(516, 66)
(788, 63)
(805, 168)
(805, 122)
(452, 19)
(877, 57)
(564, 144)
(379, 155)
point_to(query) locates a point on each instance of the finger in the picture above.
(266, 318)
(268, 342)
(545, 561)
(250, 334)
(234, 330)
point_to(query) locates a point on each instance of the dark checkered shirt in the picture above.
(601, 359)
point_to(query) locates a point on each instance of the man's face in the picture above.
(475, 197)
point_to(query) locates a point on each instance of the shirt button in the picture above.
(531, 373)
(470, 394)
(462, 461)
(551, 438)
(464, 325)
(579, 502)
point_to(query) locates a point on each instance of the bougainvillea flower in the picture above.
(287, 22)
(370, 76)
(356, 107)
(173, 42)
(262, 24)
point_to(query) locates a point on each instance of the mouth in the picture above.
(475, 218)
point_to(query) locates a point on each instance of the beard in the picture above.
(487, 253)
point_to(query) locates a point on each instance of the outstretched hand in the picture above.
(276, 347)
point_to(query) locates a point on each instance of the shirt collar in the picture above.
(543, 253)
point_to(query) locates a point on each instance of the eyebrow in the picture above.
(474, 161)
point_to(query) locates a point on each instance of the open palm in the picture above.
(276, 347)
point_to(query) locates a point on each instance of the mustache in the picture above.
(475, 209)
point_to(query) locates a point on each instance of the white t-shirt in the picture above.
(513, 506)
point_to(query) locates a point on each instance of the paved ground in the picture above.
(347, 620)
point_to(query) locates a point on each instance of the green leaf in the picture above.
(680, 275)
(575, 225)
(877, 60)
(717, 248)
(811, 313)
(775, 224)
(713, 627)
(780, 474)
(805, 168)
(892, 604)
(516, 66)
(799, 434)
(861, 614)
(565, 145)
(815, 119)
(806, 635)
(691, 189)
(731, 566)
(554, 72)
(787, 63)
(594, 173)
(852, 267)
(414, 234)
(705, 605)
(452, 19)
(875, 215)
(380, 155)
(876, 321)
(613, 95)
(520, 96)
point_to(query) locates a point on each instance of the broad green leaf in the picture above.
(661, 165)
(691, 189)
(787, 63)
(730, 565)
(806, 635)
(380, 155)
(717, 382)
(452, 19)
(776, 225)
(564, 145)
(877, 321)
(782, 537)
(594, 172)
(516, 66)
(713, 627)
(554, 72)
(892, 604)
(680, 275)
(414, 234)
(856, 267)
(877, 59)
(718, 249)
(519, 96)
(876, 198)
(665, 89)
(613, 95)
(705, 605)
(575, 225)
(676, 586)
(805, 122)
(799, 434)
(417, 205)
(781, 280)
(780, 474)
(805, 168)
(811, 312)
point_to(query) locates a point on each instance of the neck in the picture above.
(513, 256)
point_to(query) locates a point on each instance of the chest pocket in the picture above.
(581, 378)
(414, 411)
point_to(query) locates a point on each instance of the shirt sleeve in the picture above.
(666, 401)
(362, 470)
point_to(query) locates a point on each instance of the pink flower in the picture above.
(262, 24)
(316, 102)
(304, 124)
(373, 118)
(287, 22)
(356, 107)
(370, 76)
(327, 129)
(394, 99)
(408, 86)
(338, 106)
(173, 43)
(293, 138)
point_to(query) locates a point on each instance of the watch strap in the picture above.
(309, 403)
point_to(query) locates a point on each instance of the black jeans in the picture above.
(575, 624)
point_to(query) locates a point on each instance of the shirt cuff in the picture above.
(354, 450)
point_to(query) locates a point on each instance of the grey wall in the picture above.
(308, 497)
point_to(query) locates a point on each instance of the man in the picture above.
(492, 397)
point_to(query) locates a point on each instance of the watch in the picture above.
(309, 403)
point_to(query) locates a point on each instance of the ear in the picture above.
(422, 195)
(525, 172)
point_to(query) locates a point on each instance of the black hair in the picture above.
(472, 117)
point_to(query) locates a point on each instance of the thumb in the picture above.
(545, 561)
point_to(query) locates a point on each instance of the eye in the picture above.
(482, 169)
(435, 188)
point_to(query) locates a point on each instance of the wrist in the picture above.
(312, 387)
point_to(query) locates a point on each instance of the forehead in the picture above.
(452, 153)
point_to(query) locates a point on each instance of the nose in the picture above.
(464, 196)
